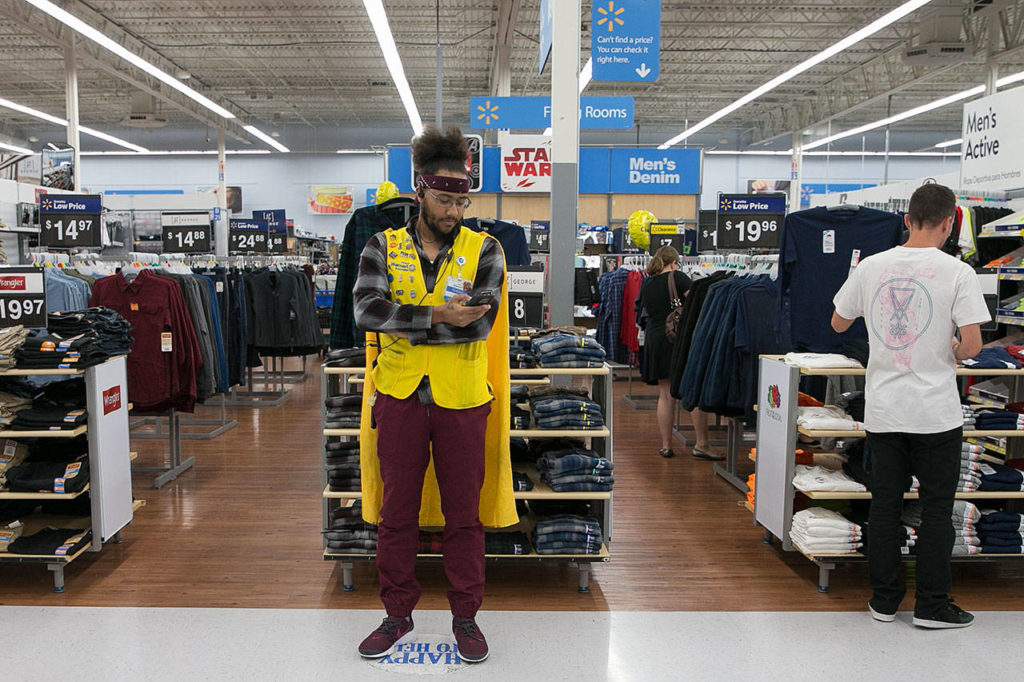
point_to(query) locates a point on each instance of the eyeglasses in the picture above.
(462, 203)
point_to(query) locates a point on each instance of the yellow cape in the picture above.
(497, 504)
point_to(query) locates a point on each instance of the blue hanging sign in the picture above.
(534, 113)
(625, 40)
(70, 203)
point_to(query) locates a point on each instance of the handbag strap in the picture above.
(675, 301)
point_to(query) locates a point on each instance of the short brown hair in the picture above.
(433, 150)
(930, 205)
(662, 258)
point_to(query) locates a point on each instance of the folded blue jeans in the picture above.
(549, 343)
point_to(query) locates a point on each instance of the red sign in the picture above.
(111, 400)
(12, 283)
(526, 163)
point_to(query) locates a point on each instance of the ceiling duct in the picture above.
(939, 42)
(143, 112)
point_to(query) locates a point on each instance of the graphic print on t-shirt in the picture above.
(901, 312)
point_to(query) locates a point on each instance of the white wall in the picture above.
(272, 181)
(280, 180)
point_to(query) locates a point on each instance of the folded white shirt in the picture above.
(819, 516)
(817, 478)
(828, 533)
(810, 546)
(828, 418)
(819, 360)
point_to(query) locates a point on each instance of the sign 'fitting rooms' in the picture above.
(992, 144)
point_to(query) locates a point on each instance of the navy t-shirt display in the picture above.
(818, 250)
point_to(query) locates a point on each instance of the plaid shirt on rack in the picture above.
(375, 311)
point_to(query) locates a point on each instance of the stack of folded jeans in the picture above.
(1001, 532)
(989, 419)
(346, 357)
(964, 516)
(521, 358)
(11, 404)
(11, 339)
(520, 418)
(342, 462)
(12, 453)
(9, 532)
(343, 411)
(349, 534)
(51, 541)
(53, 351)
(521, 482)
(1000, 478)
(115, 332)
(567, 534)
(566, 350)
(565, 408)
(33, 476)
(816, 530)
(576, 470)
(969, 417)
(514, 542)
(44, 417)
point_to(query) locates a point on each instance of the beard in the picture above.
(433, 223)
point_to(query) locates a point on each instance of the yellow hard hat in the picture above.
(386, 191)
(640, 227)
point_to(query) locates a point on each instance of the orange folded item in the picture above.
(804, 400)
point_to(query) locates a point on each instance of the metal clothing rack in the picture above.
(176, 466)
(252, 398)
(221, 426)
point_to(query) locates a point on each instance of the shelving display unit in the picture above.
(110, 479)
(337, 380)
(776, 441)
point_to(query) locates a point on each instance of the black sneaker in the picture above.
(949, 616)
(881, 615)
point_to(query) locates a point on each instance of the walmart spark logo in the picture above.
(47, 204)
(611, 16)
(488, 112)
(725, 205)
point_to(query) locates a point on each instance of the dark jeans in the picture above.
(935, 459)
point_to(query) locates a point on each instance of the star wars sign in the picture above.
(526, 163)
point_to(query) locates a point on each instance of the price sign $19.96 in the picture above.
(70, 221)
(750, 221)
(22, 297)
(248, 236)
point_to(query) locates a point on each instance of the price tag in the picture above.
(750, 221)
(525, 309)
(668, 234)
(248, 236)
(69, 221)
(22, 297)
(277, 227)
(186, 232)
(540, 236)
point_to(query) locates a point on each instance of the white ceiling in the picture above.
(312, 69)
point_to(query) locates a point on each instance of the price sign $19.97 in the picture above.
(22, 297)
(70, 221)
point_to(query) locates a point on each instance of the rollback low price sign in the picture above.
(70, 221)
(750, 221)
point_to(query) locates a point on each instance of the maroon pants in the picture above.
(405, 430)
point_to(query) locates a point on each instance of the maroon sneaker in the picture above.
(383, 640)
(471, 642)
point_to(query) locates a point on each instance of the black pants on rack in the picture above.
(935, 459)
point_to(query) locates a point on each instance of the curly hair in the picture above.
(433, 150)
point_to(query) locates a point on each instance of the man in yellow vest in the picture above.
(431, 396)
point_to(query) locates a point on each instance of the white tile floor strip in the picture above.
(264, 644)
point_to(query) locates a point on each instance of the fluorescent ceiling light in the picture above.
(379, 19)
(62, 122)
(97, 37)
(586, 74)
(910, 113)
(825, 153)
(15, 149)
(950, 143)
(355, 151)
(847, 42)
(209, 152)
(256, 132)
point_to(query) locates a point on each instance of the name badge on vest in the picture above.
(455, 286)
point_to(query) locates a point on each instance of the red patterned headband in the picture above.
(443, 183)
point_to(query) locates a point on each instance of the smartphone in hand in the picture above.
(481, 297)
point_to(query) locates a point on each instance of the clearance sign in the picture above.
(526, 163)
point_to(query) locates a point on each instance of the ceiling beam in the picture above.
(29, 17)
(499, 81)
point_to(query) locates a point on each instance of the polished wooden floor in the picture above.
(242, 529)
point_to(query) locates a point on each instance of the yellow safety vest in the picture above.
(458, 372)
(497, 502)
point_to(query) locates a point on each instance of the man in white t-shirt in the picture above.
(913, 298)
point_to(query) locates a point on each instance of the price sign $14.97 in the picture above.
(69, 230)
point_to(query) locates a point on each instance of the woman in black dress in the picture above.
(655, 300)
